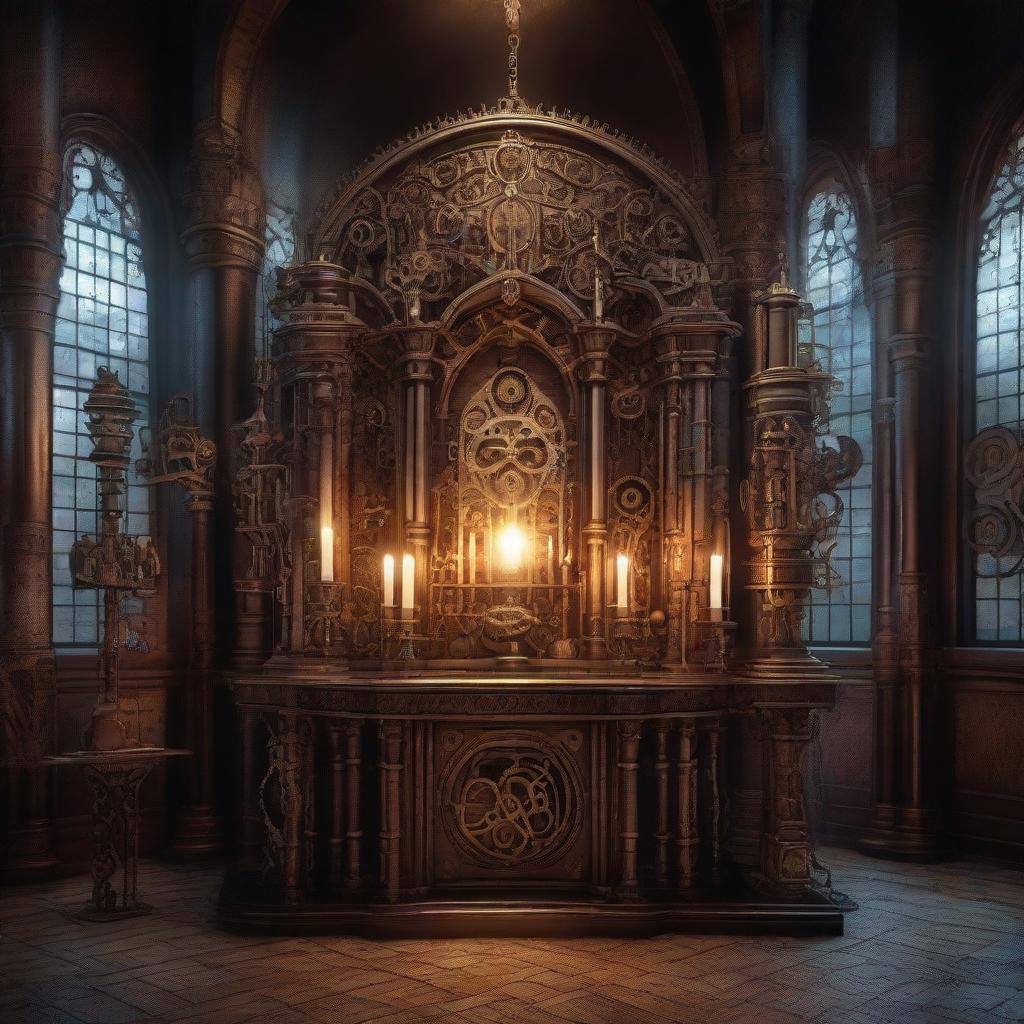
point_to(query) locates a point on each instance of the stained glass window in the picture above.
(999, 378)
(102, 320)
(280, 248)
(841, 612)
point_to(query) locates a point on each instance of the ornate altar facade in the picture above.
(484, 573)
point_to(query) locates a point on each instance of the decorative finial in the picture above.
(598, 283)
(512, 8)
(783, 270)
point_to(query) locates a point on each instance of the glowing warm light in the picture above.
(622, 581)
(326, 554)
(715, 595)
(389, 581)
(512, 546)
(408, 584)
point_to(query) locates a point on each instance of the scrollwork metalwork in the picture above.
(514, 798)
(994, 466)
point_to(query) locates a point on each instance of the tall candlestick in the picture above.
(472, 558)
(622, 581)
(408, 585)
(715, 596)
(326, 554)
(389, 581)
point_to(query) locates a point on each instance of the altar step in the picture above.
(472, 916)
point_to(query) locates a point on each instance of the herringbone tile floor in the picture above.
(928, 944)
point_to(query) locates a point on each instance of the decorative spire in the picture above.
(512, 8)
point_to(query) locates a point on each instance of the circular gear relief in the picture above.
(510, 389)
(512, 798)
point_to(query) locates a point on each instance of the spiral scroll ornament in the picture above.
(514, 798)
(994, 465)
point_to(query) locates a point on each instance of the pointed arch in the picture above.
(102, 320)
(998, 397)
(840, 613)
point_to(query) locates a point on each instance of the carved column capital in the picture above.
(224, 204)
(595, 347)
(414, 352)
(752, 207)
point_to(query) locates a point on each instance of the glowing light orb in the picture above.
(511, 546)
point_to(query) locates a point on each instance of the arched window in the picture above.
(999, 378)
(102, 320)
(841, 612)
(280, 248)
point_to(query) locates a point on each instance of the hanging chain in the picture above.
(512, 8)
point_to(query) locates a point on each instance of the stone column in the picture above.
(752, 210)
(223, 243)
(30, 262)
(596, 342)
(905, 815)
(416, 374)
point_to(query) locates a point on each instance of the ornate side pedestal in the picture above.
(115, 778)
(471, 804)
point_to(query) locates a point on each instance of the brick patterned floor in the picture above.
(928, 944)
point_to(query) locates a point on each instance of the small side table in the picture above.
(115, 777)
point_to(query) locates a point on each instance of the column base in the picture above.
(922, 845)
(784, 663)
(197, 835)
(28, 853)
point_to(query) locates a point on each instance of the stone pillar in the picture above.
(906, 730)
(596, 342)
(223, 243)
(416, 374)
(752, 210)
(30, 262)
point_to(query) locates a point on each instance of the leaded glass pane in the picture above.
(999, 379)
(100, 293)
(841, 612)
(280, 249)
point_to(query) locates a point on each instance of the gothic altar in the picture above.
(521, 564)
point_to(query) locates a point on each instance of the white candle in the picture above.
(326, 554)
(622, 581)
(717, 569)
(408, 583)
(389, 581)
(551, 560)
(472, 558)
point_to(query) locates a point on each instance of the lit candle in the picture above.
(408, 584)
(389, 581)
(472, 558)
(622, 582)
(551, 560)
(326, 554)
(715, 602)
